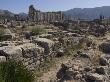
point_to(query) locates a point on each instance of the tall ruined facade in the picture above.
(38, 16)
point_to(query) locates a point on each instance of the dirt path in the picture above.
(51, 74)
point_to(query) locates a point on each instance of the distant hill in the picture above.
(89, 13)
(79, 13)
(23, 15)
(9, 15)
(6, 14)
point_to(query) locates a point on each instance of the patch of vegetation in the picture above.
(1, 34)
(69, 52)
(96, 58)
(12, 71)
(37, 31)
(78, 46)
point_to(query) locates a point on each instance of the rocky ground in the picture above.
(85, 65)
(60, 55)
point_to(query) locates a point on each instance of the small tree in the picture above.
(12, 71)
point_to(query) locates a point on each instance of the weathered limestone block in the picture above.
(2, 58)
(94, 77)
(103, 61)
(27, 53)
(46, 44)
(101, 70)
(8, 35)
(105, 47)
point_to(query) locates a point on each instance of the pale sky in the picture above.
(18, 6)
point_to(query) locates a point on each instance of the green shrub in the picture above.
(37, 31)
(12, 71)
(69, 51)
(1, 33)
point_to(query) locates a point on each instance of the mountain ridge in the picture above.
(89, 13)
(78, 13)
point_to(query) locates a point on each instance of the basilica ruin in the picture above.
(39, 16)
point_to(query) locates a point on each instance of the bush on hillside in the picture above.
(12, 71)
(1, 33)
(37, 31)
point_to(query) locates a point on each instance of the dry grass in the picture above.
(95, 57)
(44, 67)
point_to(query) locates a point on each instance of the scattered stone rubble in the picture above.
(36, 50)
(98, 30)
(81, 69)
(33, 50)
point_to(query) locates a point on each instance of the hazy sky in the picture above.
(18, 6)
